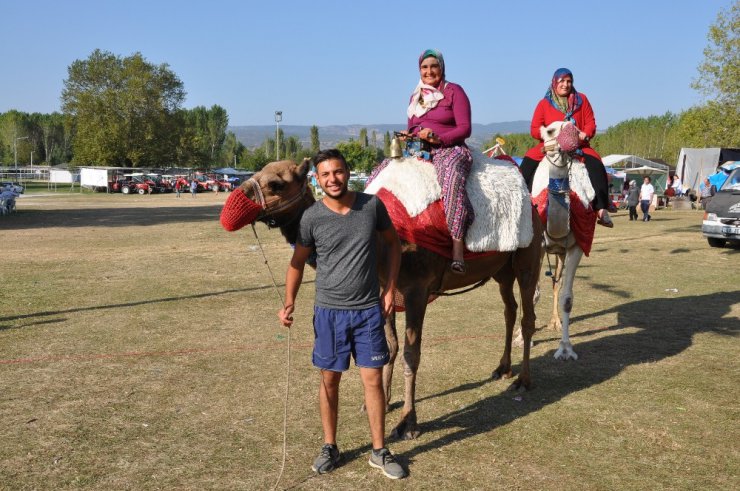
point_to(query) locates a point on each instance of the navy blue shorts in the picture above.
(341, 333)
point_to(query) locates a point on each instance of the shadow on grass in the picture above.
(132, 304)
(110, 217)
(660, 335)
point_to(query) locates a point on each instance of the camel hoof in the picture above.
(519, 385)
(565, 352)
(399, 434)
(555, 326)
(500, 373)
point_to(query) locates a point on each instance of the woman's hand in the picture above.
(429, 135)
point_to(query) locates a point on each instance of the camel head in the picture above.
(277, 196)
(559, 136)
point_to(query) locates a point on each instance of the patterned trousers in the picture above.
(453, 165)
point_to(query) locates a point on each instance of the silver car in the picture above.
(722, 217)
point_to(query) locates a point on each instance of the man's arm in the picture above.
(393, 260)
(293, 279)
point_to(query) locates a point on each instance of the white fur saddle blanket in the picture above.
(495, 188)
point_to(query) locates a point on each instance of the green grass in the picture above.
(140, 349)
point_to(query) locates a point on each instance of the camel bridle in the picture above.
(277, 204)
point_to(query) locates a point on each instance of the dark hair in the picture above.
(330, 154)
(649, 179)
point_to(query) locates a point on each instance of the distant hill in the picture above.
(254, 136)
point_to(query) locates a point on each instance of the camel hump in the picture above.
(496, 190)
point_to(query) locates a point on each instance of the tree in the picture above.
(719, 74)
(124, 109)
(363, 138)
(387, 144)
(359, 158)
(315, 142)
(217, 122)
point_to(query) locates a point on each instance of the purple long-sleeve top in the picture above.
(450, 120)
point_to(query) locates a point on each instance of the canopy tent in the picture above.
(230, 171)
(637, 168)
(694, 164)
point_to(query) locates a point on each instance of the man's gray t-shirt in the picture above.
(346, 249)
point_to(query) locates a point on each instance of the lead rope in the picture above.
(287, 370)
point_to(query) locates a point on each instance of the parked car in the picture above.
(721, 222)
(14, 186)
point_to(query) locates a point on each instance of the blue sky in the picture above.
(345, 62)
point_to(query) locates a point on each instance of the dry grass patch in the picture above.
(140, 349)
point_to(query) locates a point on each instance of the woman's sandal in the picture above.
(605, 221)
(458, 267)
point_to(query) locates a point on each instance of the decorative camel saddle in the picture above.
(503, 219)
(580, 193)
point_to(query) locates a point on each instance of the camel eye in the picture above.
(551, 132)
(276, 186)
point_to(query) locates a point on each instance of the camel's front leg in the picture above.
(391, 336)
(416, 304)
(555, 323)
(565, 301)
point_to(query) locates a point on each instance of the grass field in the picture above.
(140, 349)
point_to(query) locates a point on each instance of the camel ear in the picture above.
(304, 167)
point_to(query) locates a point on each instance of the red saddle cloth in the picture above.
(582, 218)
(428, 229)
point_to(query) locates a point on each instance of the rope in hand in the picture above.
(287, 370)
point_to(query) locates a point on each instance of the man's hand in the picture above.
(387, 303)
(286, 315)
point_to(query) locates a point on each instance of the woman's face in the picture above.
(431, 72)
(564, 86)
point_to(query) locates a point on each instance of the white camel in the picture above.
(564, 189)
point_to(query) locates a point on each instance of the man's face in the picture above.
(333, 178)
(646, 180)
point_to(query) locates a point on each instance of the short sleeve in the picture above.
(382, 219)
(305, 235)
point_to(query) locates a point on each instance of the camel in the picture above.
(562, 192)
(278, 196)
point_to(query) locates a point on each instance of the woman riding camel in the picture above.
(562, 102)
(439, 112)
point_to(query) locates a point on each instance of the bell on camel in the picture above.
(396, 148)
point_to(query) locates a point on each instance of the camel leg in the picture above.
(391, 335)
(528, 280)
(416, 305)
(555, 323)
(506, 289)
(565, 301)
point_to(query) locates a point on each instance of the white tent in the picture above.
(627, 162)
(635, 167)
(694, 164)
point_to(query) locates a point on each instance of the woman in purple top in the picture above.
(439, 112)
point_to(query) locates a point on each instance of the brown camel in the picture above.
(281, 193)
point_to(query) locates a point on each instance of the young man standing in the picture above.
(646, 197)
(349, 312)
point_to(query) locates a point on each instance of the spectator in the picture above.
(647, 191)
(707, 190)
(193, 188)
(633, 198)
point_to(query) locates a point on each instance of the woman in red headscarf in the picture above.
(562, 102)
